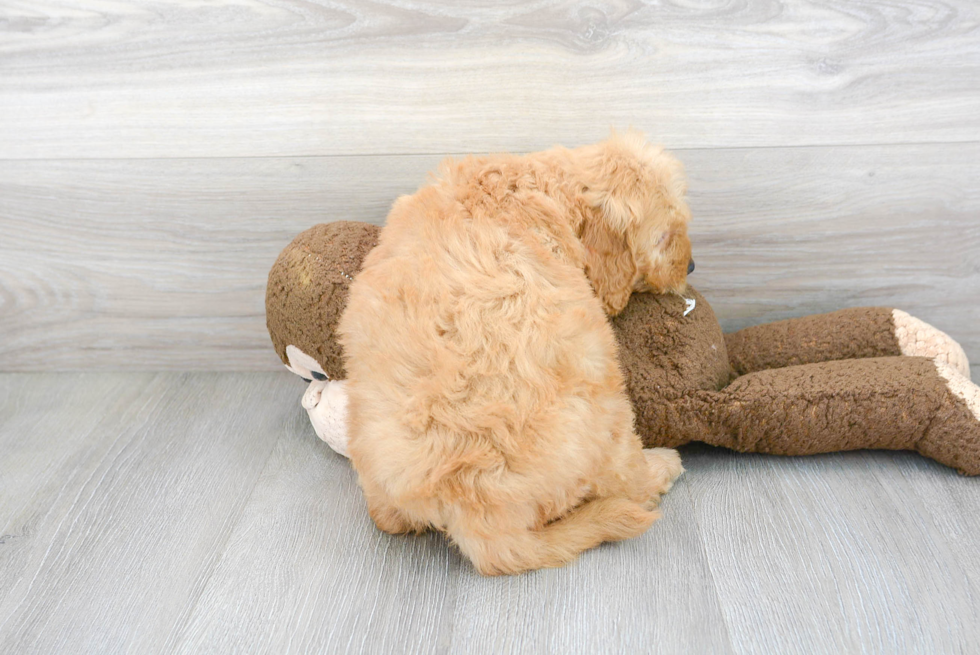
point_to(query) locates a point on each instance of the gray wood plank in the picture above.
(111, 552)
(946, 505)
(789, 232)
(199, 513)
(824, 555)
(652, 593)
(30, 407)
(307, 571)
(162, 264)
(145, 78)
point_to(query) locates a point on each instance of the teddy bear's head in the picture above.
(307, 292)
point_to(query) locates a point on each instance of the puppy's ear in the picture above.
(609, 264)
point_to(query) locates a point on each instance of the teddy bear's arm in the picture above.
(891, 403)
(856, 333)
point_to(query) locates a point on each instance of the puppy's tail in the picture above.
(592, 523)
(559, 542)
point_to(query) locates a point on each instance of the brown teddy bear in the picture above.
(868, 377)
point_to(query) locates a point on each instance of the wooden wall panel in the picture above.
(161, 264)
(178, 78)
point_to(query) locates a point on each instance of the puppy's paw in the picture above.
(665, 467)
(390, 520)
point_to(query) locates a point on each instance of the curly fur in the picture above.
(486, 399)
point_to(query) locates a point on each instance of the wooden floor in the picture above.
(167, 512)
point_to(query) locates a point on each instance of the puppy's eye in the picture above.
(307, 380)
(317, 375)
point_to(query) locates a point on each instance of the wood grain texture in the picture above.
(148, 78)
(160, 513)
(30, 464)
(656, 590)
(825, 554)
(308, 571)
(314, 575)
(162, 264)
(111, 533)
(789, 232)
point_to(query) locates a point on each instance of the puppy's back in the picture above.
(476, 359)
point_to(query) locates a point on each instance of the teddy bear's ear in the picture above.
(609, 264)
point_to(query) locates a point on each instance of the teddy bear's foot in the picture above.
(916, 338)
(953, 437)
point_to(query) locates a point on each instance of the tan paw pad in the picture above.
(961, 387)
(916, 338)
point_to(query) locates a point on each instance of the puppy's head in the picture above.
(635, 231)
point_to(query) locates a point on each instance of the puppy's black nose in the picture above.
(690, 267)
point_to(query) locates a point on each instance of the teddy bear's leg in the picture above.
(892, 403)
(856, 333)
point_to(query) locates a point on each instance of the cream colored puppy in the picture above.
(485, 395)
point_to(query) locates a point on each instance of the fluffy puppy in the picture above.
(486, 399)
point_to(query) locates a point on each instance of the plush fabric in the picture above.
(815, 384)
(308, 287)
